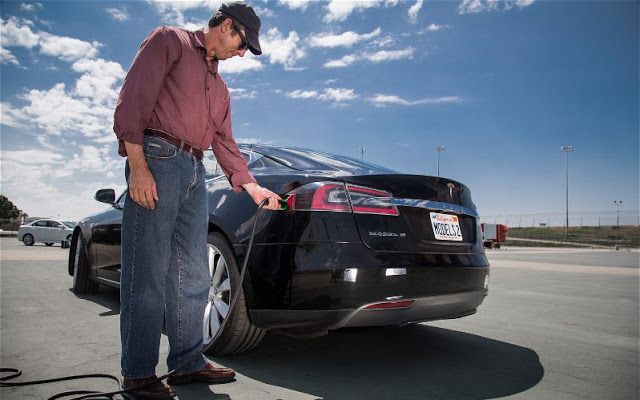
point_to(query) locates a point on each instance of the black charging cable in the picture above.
(95, 395)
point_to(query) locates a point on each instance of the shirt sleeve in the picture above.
(141, 87)
(227, 153)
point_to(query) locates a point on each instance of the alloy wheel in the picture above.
(28, 239)
(217, 308)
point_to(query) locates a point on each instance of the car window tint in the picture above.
(40, 223)
(53, 224)
(121, 200)
(264, 162)
(213, 169)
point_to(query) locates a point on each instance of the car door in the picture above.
(58, 232)
(52, 231)
(39, 231)
(105, 243)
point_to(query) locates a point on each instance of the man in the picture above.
(173, 105)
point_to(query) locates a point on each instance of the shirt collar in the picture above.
(198, 40)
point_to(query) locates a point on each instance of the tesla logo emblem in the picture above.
(451, 186)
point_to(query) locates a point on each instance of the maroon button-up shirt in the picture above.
(171, 87)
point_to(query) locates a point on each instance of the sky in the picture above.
(503, 85)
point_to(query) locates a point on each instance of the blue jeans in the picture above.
(164, 272)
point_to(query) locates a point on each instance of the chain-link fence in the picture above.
(592, 218)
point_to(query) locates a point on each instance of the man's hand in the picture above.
(258, 194)
(142, 185)
(142, 188)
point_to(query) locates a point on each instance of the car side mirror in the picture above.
(106, 196)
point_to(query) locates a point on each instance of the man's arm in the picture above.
(142, 185)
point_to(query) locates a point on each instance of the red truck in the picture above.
(493, 235)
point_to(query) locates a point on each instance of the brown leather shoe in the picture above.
(208, 374)
(153, 391)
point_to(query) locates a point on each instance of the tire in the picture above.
(49, 244)
(239, 334)
(82, 284)
(27, 239)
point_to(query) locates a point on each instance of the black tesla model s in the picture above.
(361, 245)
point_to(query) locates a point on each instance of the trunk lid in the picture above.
(428, 210)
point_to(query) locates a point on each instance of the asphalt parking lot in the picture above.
(558, 324)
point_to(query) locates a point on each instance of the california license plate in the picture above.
(446, 227)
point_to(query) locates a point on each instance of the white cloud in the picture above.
(67, 48)
(263, 12)
(341, 62)
(339, 10)
(282, 50)
(389, 55)
(241, 94)
(433, 28)
(346, 39)
(118, 14)
(381, 100)
(10, 116)
(414, 10)
(39, 183)
(30, 7)
(302, 94)
(99, 81)
(476, 6)
(6, 57)
(32, 157)
(251, 140)
(172, 12)
(295, 4)
(338, 95)
(194, 25)
(17, 32)
(384, 41)
(57, 110)
(238, 65)
(379, 56)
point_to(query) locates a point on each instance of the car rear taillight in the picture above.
(336, 197)
(370, 201)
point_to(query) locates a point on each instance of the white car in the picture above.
(47, 231)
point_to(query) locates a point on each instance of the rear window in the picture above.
(305, 160)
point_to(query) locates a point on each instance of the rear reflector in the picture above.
(385, 305)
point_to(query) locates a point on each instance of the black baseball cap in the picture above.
(245, 15)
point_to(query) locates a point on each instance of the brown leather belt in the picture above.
(182, 145)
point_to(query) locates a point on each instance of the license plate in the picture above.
(446, 227)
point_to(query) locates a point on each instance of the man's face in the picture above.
(230, 41)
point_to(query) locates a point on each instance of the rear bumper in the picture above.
(424, 309)
(325, 300)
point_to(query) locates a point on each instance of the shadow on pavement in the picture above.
(107, 297)
(415, 362)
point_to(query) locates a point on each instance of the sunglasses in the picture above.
(245, 44)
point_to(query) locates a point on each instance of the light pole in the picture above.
(439, 149)
(362, 150)
(618, 203)
(566, 150)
